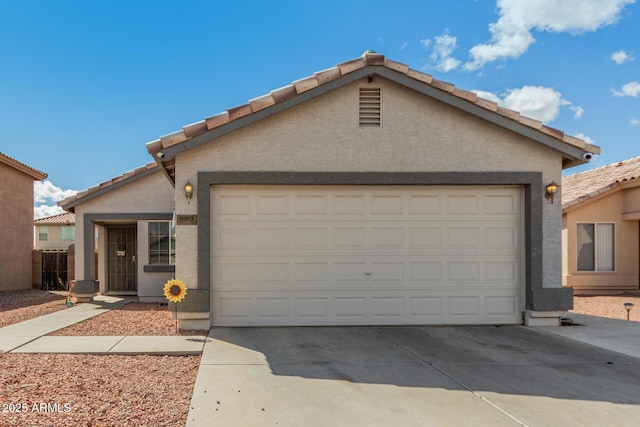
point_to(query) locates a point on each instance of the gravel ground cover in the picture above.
(18, 306)
(607, 306)
(131, 319)
(90, 390)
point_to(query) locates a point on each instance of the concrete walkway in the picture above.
(620, 336)
(30, 336)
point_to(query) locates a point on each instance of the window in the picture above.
(370, 107)
(162, 243)
(43, 233)
(67, 233)
(596, 247)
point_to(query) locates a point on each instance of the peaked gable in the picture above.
(166, 148)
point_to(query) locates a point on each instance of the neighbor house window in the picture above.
(162, 243)
(67, 233)
(43, 233)
(596, 247)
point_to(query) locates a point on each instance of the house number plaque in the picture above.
(187, 219)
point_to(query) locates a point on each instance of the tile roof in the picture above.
(582, 186)
(60, 219)
(34, 173)
(70, 202)
(323, 77)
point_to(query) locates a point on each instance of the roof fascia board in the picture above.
(480, 112)
(613, 188)
(82, 199)
(574, 153)
(266, 112)
(27, 170)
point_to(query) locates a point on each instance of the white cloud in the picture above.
(48, 195)
(45, 211)
(443, 47)
(635, 122)
(404, 45)
(585, 138)
(631, 89)
(620, 57)
(577, 111)
(537, 102)
(45, 191)
(511, 34)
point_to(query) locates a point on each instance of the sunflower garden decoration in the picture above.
(175, 291)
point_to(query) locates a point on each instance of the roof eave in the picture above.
(169, 147)
(70, 203)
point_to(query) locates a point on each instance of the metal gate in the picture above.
(54, 270)
(122, 251)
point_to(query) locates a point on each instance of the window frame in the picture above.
(171, 250)
(42, 228)
(72, 234)
(596, 244)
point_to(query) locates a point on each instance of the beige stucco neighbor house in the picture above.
(16, 211)
(600, 214)
(367, 193)
(55, 232)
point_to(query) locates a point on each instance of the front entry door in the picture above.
(122, 251)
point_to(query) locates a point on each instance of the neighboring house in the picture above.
(600, 214)
(55, 232)
(367, 193)
(16, 211)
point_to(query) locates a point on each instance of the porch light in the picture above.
(552, 190)
(188, 191)
(628, 306)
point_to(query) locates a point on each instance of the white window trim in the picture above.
(595, 248)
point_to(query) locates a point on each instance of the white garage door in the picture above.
(358, 255)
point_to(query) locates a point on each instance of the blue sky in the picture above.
(84, 85)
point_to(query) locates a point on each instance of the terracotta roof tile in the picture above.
(34, 173)
(106, 184)
(195, 128)
(66, 218)
(439, 84)
(580, 187)
(469, 96)
(173, 139)
(239, 111)
(262, 102)
(217, 120)
(325, 76)
(284, 93)
(350, 66)
(513, 115)
(305, 84)
(331, 74)
(422, 77)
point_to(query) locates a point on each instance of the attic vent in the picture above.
(370, 104)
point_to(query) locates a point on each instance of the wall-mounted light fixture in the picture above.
(552, 190)
(188, 191)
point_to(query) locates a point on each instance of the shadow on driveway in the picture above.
(506, 360)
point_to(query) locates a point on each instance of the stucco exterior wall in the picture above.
(417, 134)
(607, 209)
(16, 211)
(148, 195)
(54, 238)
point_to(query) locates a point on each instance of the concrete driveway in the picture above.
(411, 376)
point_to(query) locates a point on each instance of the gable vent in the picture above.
(370, 104)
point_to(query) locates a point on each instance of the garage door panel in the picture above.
(300, 255)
